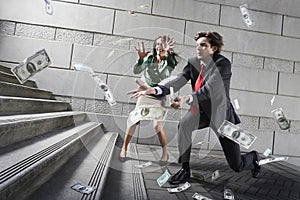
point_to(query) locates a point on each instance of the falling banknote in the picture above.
(146, 112)
(280, 119)
(274, 159)
(180, 188)
(104, 88)
(200, 197)
(83, 189)
(236, 134)
(31, 65)
(163, 178)
(246, 16)
(49, 8)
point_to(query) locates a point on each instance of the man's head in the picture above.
(208, 44)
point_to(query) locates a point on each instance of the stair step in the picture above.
(17, 90)
(31, 125)
(6, 77)
(25, 167)
(5, 69)
(20, 105)
(88, 167)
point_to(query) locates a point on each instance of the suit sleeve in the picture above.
(177, 83)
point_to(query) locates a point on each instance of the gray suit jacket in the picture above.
(213, 96)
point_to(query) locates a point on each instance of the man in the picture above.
(210, 74)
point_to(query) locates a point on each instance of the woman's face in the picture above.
(159, 45)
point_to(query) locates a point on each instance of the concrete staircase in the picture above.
(45, 147)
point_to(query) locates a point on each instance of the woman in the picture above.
(156, 66)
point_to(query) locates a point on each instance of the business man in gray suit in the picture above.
(210, 74)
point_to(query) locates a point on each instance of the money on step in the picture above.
(181, 188)
(83, 189)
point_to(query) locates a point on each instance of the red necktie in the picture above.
(199, 79)
(195, 107)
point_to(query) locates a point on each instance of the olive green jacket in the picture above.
(155, 72)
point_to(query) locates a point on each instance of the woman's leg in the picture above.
(158, 128)
(128, 135)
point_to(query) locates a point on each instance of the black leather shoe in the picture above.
(180, 177)
(256, 171)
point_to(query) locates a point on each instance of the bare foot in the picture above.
(122, 155)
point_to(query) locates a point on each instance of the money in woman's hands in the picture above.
(31, 65)
(237, 134)
(146, 112)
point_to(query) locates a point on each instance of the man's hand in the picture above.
(178, 101)
(142, 90)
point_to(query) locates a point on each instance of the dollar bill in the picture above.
(146, 112)
(104, 88)
(272, 100)
(163, 178)
(237, 134)
(198, 176)
(200, 197)
(172, 94)
(267, 152)
(246, 16)
(236, 104)
(281, 119)
(228, 194)
(215, 175)
(181, 188)
(147, 164)
(49, 8)
(31, 65)
(273, 159)
(82, 189)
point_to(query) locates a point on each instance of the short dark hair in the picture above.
(214, 38)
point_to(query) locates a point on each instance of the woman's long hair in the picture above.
(175, 56)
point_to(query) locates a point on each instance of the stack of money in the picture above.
(181, 188)
(280, 119)
(146, 112)
(236, 134)
(163, 178)
(31, 65)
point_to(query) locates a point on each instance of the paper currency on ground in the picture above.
(146, 112)
(228, 194)
(246, 16)
(83, 189)
(215, 175)
(163, 178)
(104, 88)
(144, 165)
(273, 159)
(200, 197)
(267, 152)
(281, 119)
(31, 65)
(236, 134)
(197, 175)
(181, 188)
